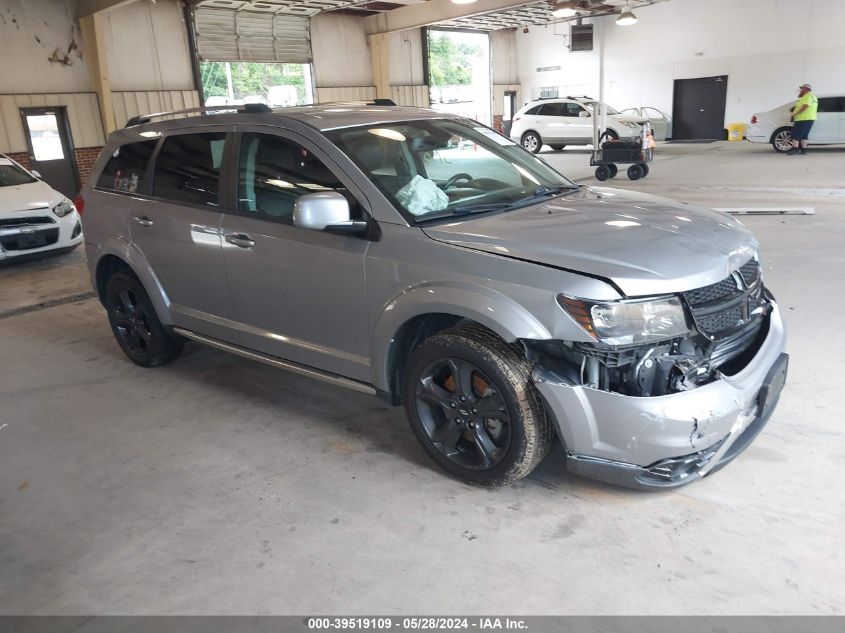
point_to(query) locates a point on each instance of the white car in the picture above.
(661, 123)
(775, 127)
(34, 217)
(568, 121)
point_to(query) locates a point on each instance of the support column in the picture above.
(380, 55)
(95, 55)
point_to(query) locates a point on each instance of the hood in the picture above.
(33, 195)
(644, 244)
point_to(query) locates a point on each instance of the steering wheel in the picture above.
(456, 179)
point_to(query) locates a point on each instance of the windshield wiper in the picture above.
(481, 208)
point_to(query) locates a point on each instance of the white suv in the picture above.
(774, 126)
(562, 122)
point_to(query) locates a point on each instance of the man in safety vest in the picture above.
(803, 117)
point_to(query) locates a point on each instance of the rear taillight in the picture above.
(754, 119)
(79, 203)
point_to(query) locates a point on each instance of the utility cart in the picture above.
(636, 152)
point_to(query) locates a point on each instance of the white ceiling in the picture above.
(527, 14)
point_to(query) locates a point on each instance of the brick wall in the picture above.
(85, 158)
(22, 158)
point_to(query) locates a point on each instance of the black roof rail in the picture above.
(246, 108)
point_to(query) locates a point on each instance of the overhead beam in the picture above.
(427, 13)
(88, 7)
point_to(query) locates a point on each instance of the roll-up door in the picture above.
(249, 36)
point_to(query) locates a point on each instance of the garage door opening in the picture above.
(274, 84)
(459, 73)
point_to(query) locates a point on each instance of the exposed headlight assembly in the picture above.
(63, 208)
(628, 322)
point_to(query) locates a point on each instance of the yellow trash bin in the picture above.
(736, 131)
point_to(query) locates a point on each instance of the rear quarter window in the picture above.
(127, 167)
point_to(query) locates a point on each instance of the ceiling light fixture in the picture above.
(463, 1)
(564, 10)
(626, 18)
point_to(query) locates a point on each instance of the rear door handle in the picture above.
(143, 220)
(240, 239)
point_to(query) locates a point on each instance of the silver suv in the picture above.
(431, 261)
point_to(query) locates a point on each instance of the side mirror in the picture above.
(326, 211)
(584, 114)
(35, 173)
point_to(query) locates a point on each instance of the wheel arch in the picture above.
(778, 130)
(418, 313)
(120, 254)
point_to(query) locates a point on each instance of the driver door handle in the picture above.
(240, 239)
(143, 220)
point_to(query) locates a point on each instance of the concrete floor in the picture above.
(220, 486)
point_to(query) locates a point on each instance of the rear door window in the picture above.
(187, 168)
(127, 167)
(554, 109)
(832, 104)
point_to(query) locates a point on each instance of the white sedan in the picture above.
(34, 217)
(775, 127)
(661, 123)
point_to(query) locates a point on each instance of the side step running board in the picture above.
(278, 362)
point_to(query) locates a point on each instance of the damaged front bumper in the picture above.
(669, 440)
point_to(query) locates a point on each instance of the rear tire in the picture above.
(532, 142)
(472, 405)
(644, 167)
(557, 147)
(782, 140)
(135, 324)
(613, 170)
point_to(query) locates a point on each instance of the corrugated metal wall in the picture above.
(411, 96)
(129, 104)
(346, 93)
(84, 113)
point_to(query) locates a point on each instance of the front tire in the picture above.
(602, 173)
(557, 147)
(609, 135)
(471, 404)
(532, 142)
(782, 140)
(135, 324)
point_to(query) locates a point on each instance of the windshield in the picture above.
(437, 168)
(595, 104)
(12, 175)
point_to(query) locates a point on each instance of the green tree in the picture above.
(251, 78)
(449, 63)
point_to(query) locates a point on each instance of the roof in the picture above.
(326, 116)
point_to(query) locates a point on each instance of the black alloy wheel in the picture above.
(463, 415)
(135, 324)
(473, 406)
